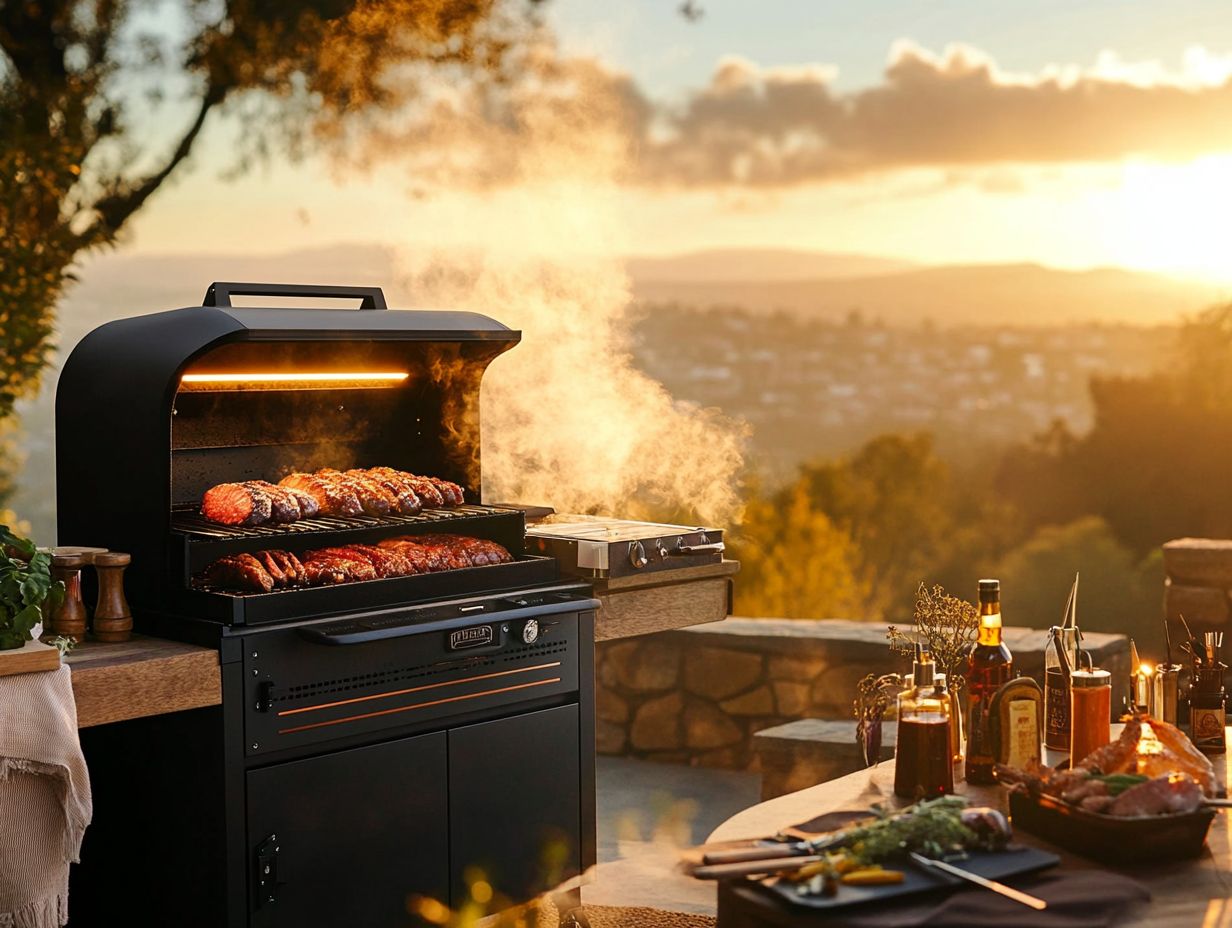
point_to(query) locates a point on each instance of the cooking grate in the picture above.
(188, 521)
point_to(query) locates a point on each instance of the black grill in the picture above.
(376, 740)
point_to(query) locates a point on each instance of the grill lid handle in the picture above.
(219, 293)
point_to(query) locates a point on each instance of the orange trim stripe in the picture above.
(421, 705)
(416, 689)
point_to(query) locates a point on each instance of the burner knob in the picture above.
(637, 555)
(530, 631)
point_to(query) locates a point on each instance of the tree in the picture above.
(795, 563)
(82, 102)
(1115, 593)
(892, 497)
(1155, 464)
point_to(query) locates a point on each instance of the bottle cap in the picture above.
(923, 669)
(1088, 678)
(990, 591)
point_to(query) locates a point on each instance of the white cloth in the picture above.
(45, 801)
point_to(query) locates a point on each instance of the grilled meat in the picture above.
(273, 567)
(1153, 748)
(408, 502)
(406, 556)
(373, 498)
(374, 491)
(332, 498)
(1174, 794)
(240, 572)
(284, 506)
(423, 487)
(236, 504)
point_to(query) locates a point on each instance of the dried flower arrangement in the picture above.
(874, 697)
(944, 624)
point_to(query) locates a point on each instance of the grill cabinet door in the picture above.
(514, 805)
(358, 832)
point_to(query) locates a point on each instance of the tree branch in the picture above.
(116, 208)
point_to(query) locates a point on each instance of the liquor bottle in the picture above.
(923, 766)
(989, 666)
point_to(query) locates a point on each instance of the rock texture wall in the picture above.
(698, 695)
(1199, 582)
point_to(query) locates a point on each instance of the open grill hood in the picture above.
(270, 390)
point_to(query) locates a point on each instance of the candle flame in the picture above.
(1146, 669)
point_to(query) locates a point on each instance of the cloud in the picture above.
(777, 127)
(753, 128)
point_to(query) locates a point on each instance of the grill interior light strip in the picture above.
(290, 380)
(418, 705)
(417, 689)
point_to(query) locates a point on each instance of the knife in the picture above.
(1007, 891)
(734, 855)
(754, 867)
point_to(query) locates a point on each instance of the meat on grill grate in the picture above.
(374, 491)
(395, 557)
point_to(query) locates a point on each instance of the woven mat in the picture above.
(611, 916)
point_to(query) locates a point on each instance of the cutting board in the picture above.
(31, 657)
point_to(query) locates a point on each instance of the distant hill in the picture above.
(749, 264)
(988, 294)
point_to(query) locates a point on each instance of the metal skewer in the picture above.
(1000, 888)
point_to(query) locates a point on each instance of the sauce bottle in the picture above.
(1090, 712)
(923, 757)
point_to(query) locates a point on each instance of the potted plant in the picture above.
(25, 587)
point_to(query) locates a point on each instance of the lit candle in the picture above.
(1144, 691)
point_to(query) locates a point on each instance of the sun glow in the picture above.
(1178, 217)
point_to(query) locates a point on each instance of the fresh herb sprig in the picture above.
(933, 828)
(25, 585)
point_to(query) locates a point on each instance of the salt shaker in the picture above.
(112, 619)
(69, 618)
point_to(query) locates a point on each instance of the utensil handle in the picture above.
(735, 855)
(753, 868)
(1217, 803)
(1008, 891)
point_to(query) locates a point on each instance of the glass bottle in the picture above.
(923, 765)
(1090, 712)
(1208, 709)
(989, 666)
(1060, 660)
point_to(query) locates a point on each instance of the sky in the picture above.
(1075, 134)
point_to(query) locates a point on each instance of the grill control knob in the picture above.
(530, 631)
(637, 555)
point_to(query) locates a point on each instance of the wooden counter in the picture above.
(140, 677)
(655, 602)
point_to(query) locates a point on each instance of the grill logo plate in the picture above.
(473, 637)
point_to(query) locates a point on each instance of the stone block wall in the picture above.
(697, 695)
(1199, 582)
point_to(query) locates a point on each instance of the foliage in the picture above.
(85, 85)
(1151, 465)
(795, 563)
(25, 584)
(1117, 594)
(891, 498)
(946, 625)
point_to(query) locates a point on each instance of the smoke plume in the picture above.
(567, 419)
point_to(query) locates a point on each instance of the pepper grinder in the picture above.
(112, 619)
(69, 618)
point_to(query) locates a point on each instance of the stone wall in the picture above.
(697, 695)
(1199, 582)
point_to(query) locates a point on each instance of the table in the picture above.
(1188, 894)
